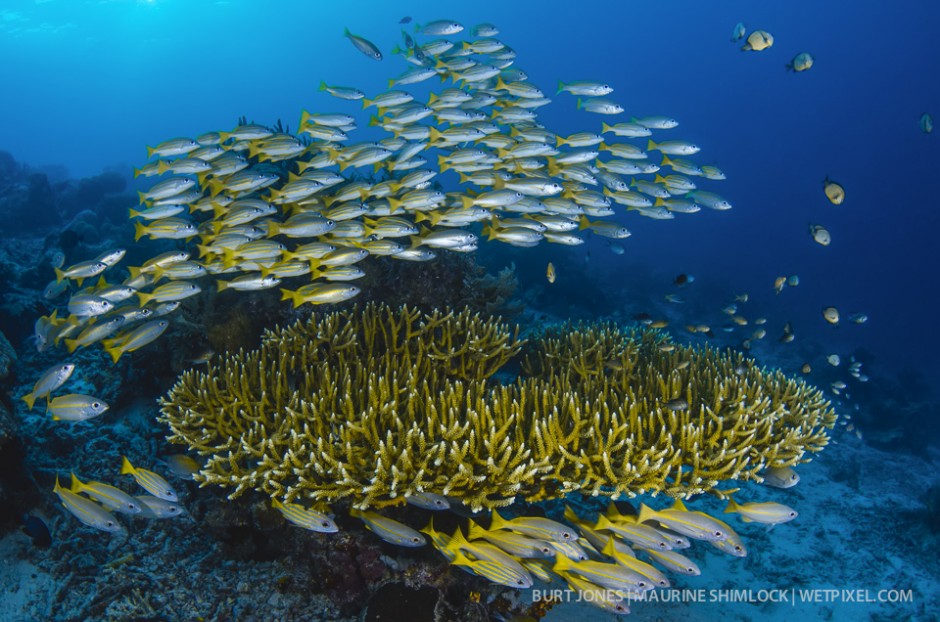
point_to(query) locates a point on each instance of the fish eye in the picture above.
(737, 547)
(109, 524)
(641, 584)
(324, 524)
(719, 534)
(95, 404)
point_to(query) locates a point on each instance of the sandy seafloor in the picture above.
(861, 527)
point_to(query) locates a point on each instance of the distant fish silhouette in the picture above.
(36, 529)
(405, 20)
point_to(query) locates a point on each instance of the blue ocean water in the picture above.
(87, 85)
(90, 83)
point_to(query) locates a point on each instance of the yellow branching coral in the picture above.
(377, 404)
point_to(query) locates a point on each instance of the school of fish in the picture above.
(253, 208)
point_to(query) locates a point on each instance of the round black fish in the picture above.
(36, 529)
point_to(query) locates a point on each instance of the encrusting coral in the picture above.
(375, 404)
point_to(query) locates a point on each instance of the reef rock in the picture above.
(7, 358)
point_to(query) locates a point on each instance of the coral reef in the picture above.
(377, 404)
(451, 280)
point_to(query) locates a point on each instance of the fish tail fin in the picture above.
(132, 213)
(144, 298)
(323, 86)
(149, 152)
(571, 516)
(222, 285)
(346, 32)
(498, 522)
(732, 507)
(609, 549)
(559, 141)
(215, 186)
(30, 399)
(356, 512)
(229, 260)
(578, 104)
(141, 198)
(474, 531)
(433, 98)
(584, 223)
(139, 230)
(646, 513)
(304, 118)
(605, 128)
(71, 344)
(59, 275)
(391, 82)
(429, 528)
(366, 102)
(136, 172)
(466, 201)
(374, 121)
(563, 564)
(115, 351)
(666, 162)
(457, 541)
(126, 467)
(650, 144)
(603, 522)
(76, 484)
(561, 87)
